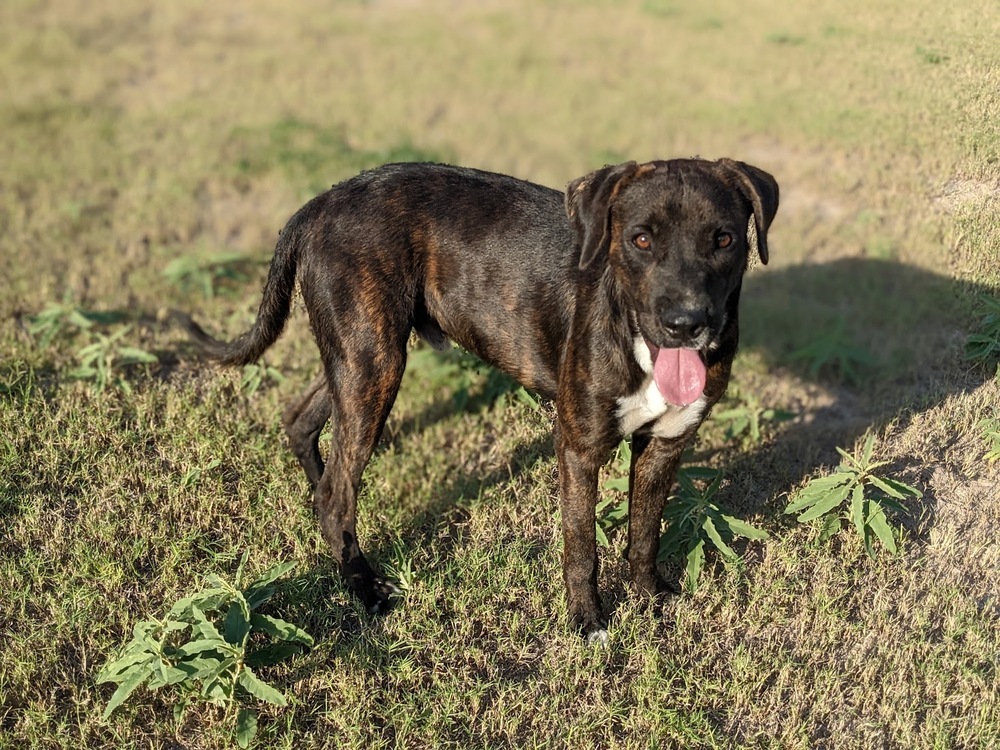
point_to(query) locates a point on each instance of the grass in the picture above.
(151, 155)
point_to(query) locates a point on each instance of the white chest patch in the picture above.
(647, 405)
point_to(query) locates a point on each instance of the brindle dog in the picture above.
(618, 300)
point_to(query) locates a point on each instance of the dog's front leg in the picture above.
(578, 473)
(651, 475)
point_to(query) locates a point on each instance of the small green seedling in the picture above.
(194, 475)
(65, 317)
(208, 273)
(866, 496)
(207, 647)
(835, 352)
(744, 421)
(693, 518)
(989, 428)
(984, 345)
(258, 373)
(101, 360)
(612, 511)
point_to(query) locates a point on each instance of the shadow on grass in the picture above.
(880, 342)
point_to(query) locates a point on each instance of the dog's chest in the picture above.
(647, 407)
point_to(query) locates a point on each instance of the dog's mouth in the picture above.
(680, 374)
(678, 366)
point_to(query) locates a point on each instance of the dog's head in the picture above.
(677, 235)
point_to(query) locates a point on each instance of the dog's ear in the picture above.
(588, 206)
(761, 190)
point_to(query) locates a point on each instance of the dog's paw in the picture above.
(383, 596)
(594, 630)
(598, 638)
(666, 589)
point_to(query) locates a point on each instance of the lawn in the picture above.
(151, 152)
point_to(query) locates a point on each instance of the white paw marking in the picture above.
(393, 592)
(598, 638)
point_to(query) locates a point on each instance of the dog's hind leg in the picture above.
(303, 420)
(364, 368)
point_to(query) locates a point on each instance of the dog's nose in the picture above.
(684, 325)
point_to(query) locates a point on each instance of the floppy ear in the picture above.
(588, 206)
(762, 191)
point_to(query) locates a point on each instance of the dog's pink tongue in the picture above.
(679, 375)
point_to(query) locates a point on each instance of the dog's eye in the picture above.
(723, 240)
(642, 241)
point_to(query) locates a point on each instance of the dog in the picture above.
(618, 299)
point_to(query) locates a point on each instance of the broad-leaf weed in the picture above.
(207, 647)
(984, 345)
(694, 519)
(854, 493)
(989, 428)
(209, 273)
(63, 317)
(258, 373)
(692, 516)
(745, 419)
(101, 361)
(612, 511)
(837, 353)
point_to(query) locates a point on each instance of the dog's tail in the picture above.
(274, 306)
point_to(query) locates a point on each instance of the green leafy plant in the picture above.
(207, 647)
(101, 361)
(256, 374)
(866, 496)
(932, 57)
(209, 272)
(62, 317)
(835, 352)
(694, 519)
(990, 430)
(527, 398)
(743, 421)
(612, 510)
(193, 475)
(692, 516)
(984, 344)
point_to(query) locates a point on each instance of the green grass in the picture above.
(150, 157)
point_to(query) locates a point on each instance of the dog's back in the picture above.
(468, 253)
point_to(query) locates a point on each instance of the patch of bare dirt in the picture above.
(960, 193)
(962, 549)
